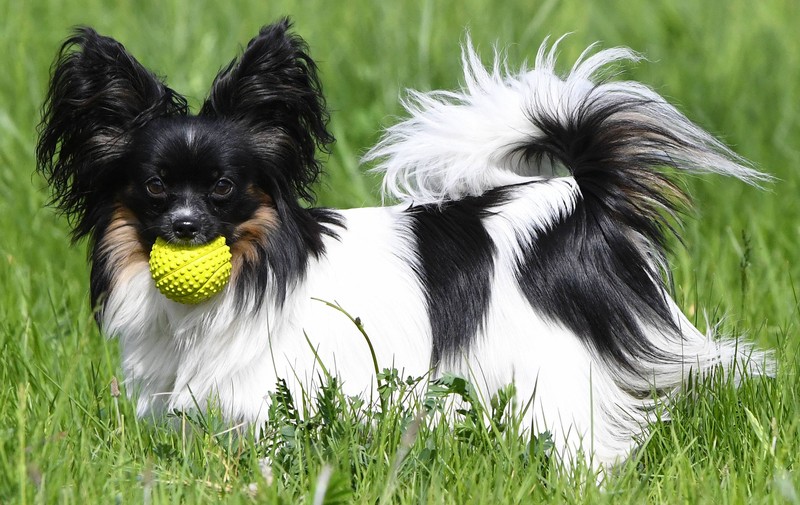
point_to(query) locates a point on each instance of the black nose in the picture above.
(186, 228)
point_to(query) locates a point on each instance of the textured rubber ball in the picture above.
(190, 273)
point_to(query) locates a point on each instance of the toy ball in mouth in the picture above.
(190, 274)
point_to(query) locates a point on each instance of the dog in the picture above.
(527, 247)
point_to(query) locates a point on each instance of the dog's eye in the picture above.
(222, 188)
(155, 187)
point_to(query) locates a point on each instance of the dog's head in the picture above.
(115, 139)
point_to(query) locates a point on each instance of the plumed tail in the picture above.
(597, 270)
(505, 128)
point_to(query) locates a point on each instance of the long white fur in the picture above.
(457, 144)
(454, 144)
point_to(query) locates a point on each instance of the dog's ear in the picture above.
(273, 90)
(99, 94)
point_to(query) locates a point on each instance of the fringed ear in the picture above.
(273, 90)
(99, 94)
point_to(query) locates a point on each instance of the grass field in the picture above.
(733, 66)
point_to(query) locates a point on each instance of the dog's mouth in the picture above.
(197, 241)
(185, 242)
(188, 232)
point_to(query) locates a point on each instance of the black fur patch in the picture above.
(596, 271)
(456, 258)
(587, 274)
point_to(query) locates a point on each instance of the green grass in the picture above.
(732, 66)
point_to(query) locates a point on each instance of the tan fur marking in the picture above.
(254, 232)
(121, 247)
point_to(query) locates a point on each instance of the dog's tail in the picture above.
(619, 141)
(614, 138)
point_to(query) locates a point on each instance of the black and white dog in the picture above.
(528, 247)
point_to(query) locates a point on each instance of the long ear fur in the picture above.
(99, 94)
(274, 91)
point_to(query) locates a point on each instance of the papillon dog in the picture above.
(527, 247)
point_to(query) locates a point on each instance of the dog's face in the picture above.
(128, 163)
(114, 135)
(190, 180)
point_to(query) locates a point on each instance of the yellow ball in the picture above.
(190, 273)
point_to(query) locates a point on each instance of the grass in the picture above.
(732, 66)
